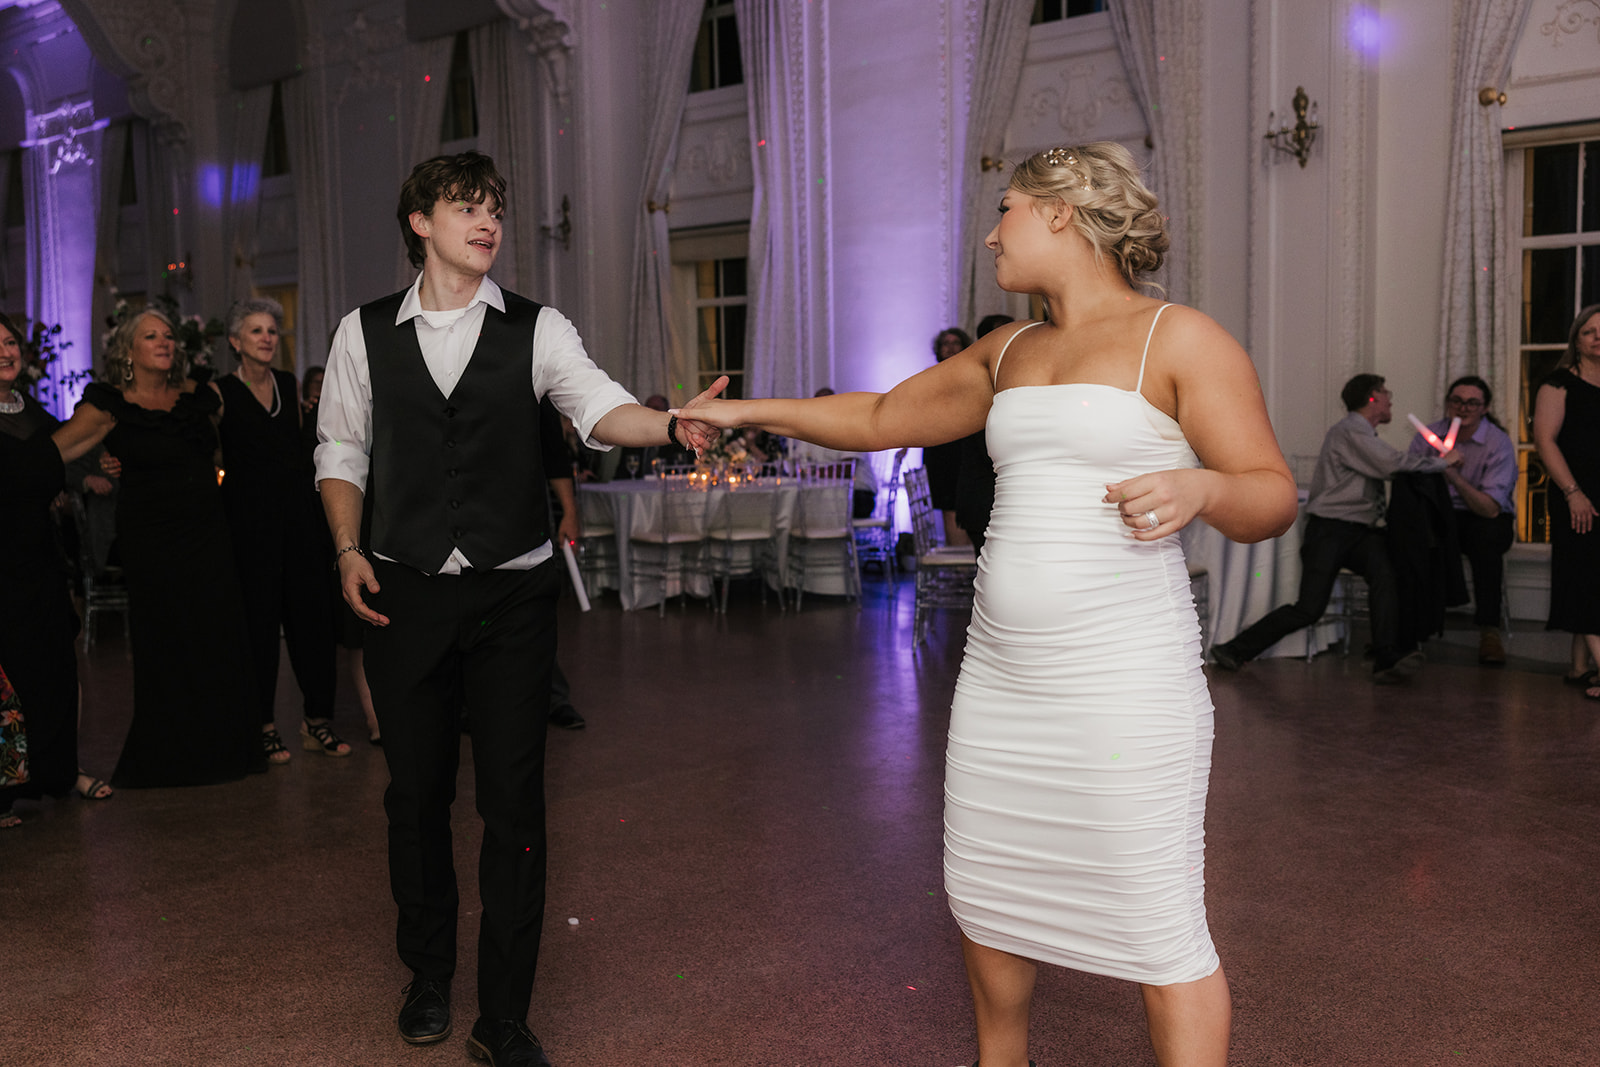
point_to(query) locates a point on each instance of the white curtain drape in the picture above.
(1160, 44)
(321, 289)
(505, 81)
(997, 71)
(788, 345)
(113, 151)
(427, 81)
(252, 109)
(1471, 331)
(673, 25)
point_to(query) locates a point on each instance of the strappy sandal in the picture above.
(272, 744)
(9, 819)
(319, 736)
(1585, 680)
(92, 790)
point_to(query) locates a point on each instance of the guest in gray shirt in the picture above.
(1347, 497)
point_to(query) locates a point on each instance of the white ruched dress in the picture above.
(1080, 734)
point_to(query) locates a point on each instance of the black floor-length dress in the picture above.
(194, 701)
(37, 620)
(1575, 557)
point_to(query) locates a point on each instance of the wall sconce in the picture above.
(1297, 139)
(988, 163)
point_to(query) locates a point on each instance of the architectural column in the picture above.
(63, 188)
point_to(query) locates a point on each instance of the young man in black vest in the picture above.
(433, 480)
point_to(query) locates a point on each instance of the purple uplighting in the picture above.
(1366, 31)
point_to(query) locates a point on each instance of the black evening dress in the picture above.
(280, 542)
(194, 702)
(37, 622)
(1574, 557)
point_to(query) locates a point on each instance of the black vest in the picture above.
(462, 471)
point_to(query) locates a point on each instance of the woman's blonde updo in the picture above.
(119, 351)
(1111, 205)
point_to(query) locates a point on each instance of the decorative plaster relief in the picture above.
(1570, 18)
(712, 160)
(548, 26)
(150, 39)
(60, 130)
(367, 45)
(1084, 102)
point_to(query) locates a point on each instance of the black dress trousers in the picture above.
(483, 642)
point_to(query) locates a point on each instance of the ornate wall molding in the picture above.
(368, 47)
(62, 133)
(548, 26)
(148, 43)
(1571, 17)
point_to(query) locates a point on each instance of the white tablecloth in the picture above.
(634, 506)
(1247, 581)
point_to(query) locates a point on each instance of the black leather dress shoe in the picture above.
(425, 1015)
(567, 717)
(506, 1043)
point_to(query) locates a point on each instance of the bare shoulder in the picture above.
(1186, 336)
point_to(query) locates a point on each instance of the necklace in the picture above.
(13, 406)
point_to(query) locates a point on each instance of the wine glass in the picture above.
(633, 464)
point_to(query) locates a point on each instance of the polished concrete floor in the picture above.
(746, 871)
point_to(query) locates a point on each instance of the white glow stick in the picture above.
(1429, 436)
(577, 579)
(1450, 438)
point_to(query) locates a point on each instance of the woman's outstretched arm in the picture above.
(944, 402)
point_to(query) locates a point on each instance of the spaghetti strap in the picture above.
(995, 380)
(1139, 387)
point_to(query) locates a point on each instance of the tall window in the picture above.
(1056, 10)
(460, 102)
(721, 301)
(716, 51)
(275, 160)
(1560, 252)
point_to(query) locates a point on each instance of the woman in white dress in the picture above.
(1080, 733)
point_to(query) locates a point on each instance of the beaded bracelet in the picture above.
(672, 429)
(347, 548)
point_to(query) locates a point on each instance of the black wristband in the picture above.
(672, 429)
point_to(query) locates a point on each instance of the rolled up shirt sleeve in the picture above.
(344, 416)
(563, 371)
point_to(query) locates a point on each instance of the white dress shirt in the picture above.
(560, 368)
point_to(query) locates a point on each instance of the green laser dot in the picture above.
(1116, 755)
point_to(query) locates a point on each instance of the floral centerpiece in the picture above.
(42, 347)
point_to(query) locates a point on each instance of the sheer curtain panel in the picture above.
(1161, 46)
(997, 72)
(674, 24)
(789, 350)
(1471, 330)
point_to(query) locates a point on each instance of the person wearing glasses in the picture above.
(1482, 493)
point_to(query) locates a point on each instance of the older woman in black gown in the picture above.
(37, 622)
(194, 702)
(280, 540)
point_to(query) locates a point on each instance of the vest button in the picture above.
(450, 443)
(454, 472)
(455, 504)
(455, 534)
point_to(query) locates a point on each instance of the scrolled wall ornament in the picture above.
(1570, 17)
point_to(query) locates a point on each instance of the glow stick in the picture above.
(577, 579)
(1450, 438)
(1428, 435)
